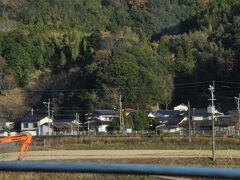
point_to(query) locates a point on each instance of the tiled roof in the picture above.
(34, 118)
(202, 112)
(128, 110)
(106, 112)
(169, 113)
(224, 121)
(64, 118)
(170, 117)
(199, 112)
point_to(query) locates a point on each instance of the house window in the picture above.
(34, 125)
(25, 125)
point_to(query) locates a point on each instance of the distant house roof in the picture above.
(61, 125)
(174, 121)
(96, 121)
(64, 118)
(65, 122)
(224, 121)
(106, 112)
(129, 110)
(165, 113)
(199, 112)
(34, 118)
(170, 117)
(202, 112)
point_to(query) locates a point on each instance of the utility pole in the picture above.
(52, 117)
(238, 108)
(194, 129)
(121, 115)
(48, 106)
(78, 123)
(78, 119)
(88, 127)
(189, 123)
(212, 89)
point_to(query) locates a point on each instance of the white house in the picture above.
(171, 120)
(105, 115)
(100, 119)
(36, 124)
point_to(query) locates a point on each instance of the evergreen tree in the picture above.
(63, 59)
(40, 62)
(190, 62)
(141, 121)
(180, 59)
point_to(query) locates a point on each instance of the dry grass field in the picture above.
(151, 150)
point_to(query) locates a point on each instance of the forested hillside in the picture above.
(84, 53)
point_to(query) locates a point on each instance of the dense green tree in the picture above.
(40, 62)
(115, 124)
(141, 121)
(164, 51)
(63, 59)
(189, 60)
(180, 59)
(132, 67)
(20, 62)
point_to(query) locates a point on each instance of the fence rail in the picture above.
(218, 131)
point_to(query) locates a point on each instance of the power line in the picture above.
(187, 87)
(202, 82)
(98, 89)
(228, 82)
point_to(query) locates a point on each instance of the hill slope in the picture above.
(104, 48)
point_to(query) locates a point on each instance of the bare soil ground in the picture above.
(225, 158)
(53, 155)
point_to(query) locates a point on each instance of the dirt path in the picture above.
(117, 154)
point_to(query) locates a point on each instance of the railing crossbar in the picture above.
(138, 169)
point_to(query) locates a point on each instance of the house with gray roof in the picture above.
(66, 125)
(100, 119)
(170, 120)
(199, 114)
(37, 125)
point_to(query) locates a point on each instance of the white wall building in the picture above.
(37, 125)
(100, 119)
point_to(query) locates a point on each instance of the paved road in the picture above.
(118, 154)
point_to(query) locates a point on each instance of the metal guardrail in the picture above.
(139, 169)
